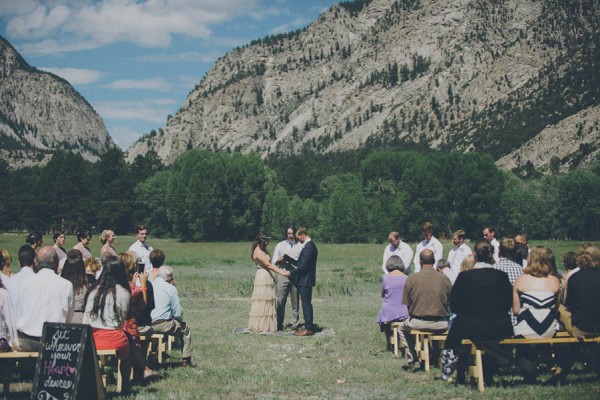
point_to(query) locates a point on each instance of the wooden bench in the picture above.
(103, 356)
(476, 369)
(423, 341)
(158, 345)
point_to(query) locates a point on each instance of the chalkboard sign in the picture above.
(67, 366)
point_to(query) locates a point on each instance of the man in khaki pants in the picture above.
(167, 316)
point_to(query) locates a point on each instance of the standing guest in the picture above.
(535, 296)
(506, 264)
(83, 241)
(141, 248)
(139, 304)
(74, 271)
(489, 234)
(457, 254)
(8, 331)
(34, 239)
(304, 277)
(93, 268)
(106, 309)
(45, 297)
(580, 315)
(481, 299)
(392, 289)
(107, 239)
(426, 294)
(443, 266)
(167, 316)
(429, 242)
(263, 312)
(157, 259)
(26, 261)
(5, 265)
(59, 243)
(292, 248)
(398, 248)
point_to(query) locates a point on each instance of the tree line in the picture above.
(349, 197)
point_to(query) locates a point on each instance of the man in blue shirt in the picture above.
(167, 316)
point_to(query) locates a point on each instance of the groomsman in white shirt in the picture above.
(489, 234)
(429, 242)
(397, 248)
(457, 254)
(141, 248)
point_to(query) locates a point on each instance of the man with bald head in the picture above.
(427, 296)
(45, 297)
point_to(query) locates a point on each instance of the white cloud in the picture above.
(295, 24)
(76, 76)
(189, 56)
(124, 136)
(140, 84)
(76, 24)
(134, 110)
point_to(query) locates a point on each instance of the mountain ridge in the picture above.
(383, 72)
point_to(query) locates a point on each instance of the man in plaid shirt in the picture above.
(505, 264)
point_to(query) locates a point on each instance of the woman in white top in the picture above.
(106, 309)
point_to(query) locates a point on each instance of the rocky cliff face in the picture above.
(452, 75)
(41, 113)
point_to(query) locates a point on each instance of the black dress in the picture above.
(481, 299)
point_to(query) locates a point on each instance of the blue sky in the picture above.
(135, 61)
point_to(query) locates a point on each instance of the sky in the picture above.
(135, 61)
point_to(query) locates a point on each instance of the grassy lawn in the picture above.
(215, 283)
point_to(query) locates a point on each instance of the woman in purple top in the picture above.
(392, 288)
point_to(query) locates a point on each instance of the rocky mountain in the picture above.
(41, 113)
(471, 75)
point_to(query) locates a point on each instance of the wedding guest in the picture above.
(392, 289)
(83, 241)
(74, 271)
(107, 239)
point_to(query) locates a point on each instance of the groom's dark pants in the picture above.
(305, 294)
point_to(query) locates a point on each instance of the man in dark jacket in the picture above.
(303, 277)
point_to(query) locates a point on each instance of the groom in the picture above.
(303, 277)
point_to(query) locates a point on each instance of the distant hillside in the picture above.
(41, 113)
(458, 74)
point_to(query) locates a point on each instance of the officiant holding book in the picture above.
(285, 256)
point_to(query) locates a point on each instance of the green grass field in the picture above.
(215, 284)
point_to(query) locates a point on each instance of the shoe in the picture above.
(304, 332)
(558, 379)
(187, 362)
(446, 378)
(412, 367)
(295, 325)
(149, 374)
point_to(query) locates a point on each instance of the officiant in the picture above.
(285, 256)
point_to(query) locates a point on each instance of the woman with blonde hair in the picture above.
(467, 263)
(107, 238)
(5, 266)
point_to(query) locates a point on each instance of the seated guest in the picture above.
(45, 297)
(167, 316)
(5, 266)
(26, 261)
(580, 315)
(505, 263)
(8, 331)
(443, 266)
(139, 299)
(481, 299)
(467, 263)
(157, 259)
(570, 265)
(74, 271)
(392, 287)
(106, 308)
(426, 294)
(534, 303)
(92, 268)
